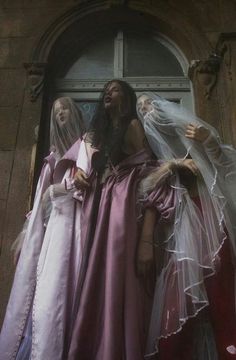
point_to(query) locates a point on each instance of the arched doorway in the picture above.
(118, 43)
(148, 62)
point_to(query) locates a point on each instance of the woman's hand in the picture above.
(178, 164)
(187, 164)
(80, 180)
(198, 133)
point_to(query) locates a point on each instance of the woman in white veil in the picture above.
(66, 126)
(195, 250)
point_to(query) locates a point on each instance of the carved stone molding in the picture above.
(171, 83)
(205, 72)
(36, 75)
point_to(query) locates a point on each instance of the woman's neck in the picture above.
(115, 118)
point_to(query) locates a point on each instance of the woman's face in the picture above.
(62, 113)
(113, 96)
(144, 105)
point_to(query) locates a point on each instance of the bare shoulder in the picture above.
(135, 124)
(135, 129)
(135, 136)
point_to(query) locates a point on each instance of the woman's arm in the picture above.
(145, 253)
(203, 135)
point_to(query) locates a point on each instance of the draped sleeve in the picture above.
(163, 199)
(156, 191)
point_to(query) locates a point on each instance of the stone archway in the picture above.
(70, 33)
(55, 49)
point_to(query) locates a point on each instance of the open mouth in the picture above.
(62, 119)
(107, 99)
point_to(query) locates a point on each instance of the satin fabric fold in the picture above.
(113, 316)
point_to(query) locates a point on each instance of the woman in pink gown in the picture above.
(115, 289)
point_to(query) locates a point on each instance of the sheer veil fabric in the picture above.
(192, 242)
(61, 139)
(64, 136)
(16, 332)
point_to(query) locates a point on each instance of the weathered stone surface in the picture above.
(8, 127)
(13, 83)
(228, 15)
(2, 217)
(14, 52)
(203, 14)
(10, 24)
(229, 93)
(6, 264)
(24, 22)
(4, 51)
(207, 14)
(38, 3)
(6, 161)
(30, 118)
(6, 276)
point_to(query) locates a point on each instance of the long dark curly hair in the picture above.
(101, 133)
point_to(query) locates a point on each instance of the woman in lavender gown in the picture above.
(65, 128)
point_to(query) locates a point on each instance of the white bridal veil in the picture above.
(192, 242)
(63, 137)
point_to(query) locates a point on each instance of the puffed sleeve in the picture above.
(156, 191)
(163, 199)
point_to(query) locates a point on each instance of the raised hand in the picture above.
(198, 133)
